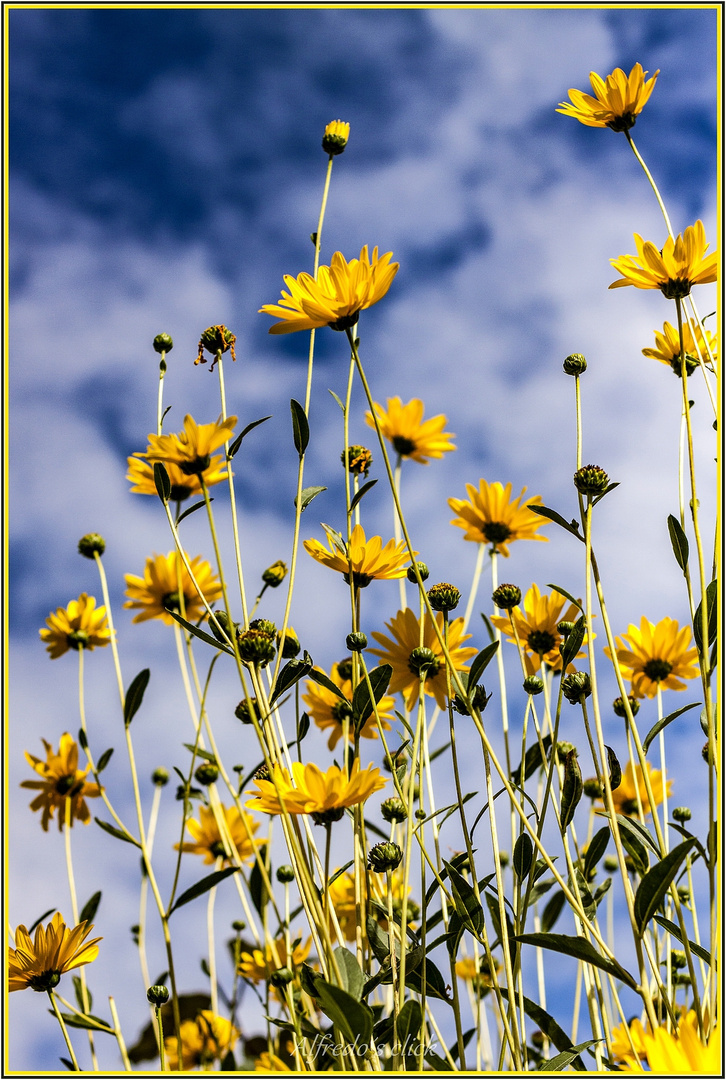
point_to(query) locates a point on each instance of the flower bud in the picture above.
(384, 857)
(563, 749)
(222, 619)
(274, 575)
(423, 661)
(706, 753)
(533, 685)
(281, 977)
(162, 343)
(592, 788)
(216, 340)
(420, 815)
(335, 137)
(538, 1039)
(565, 627)
(266, 625)
(684, 893)
(256, 647)
(238, 926)
(356, 642)
(245, 711)
(422, 569)
(681, 814)
(393, 810)
(263, 773)
(507, 596)
(206, 773)
(576, 687)
(345, 669)
(591, 480)
(678, 959)
(574, 364)
(480, 699)
(444, 597)
(619, 706)
(358, 460)
(160, 777)
(291, 646)
(285, 874)
(91, 543)
(504, 858)
(157, 995)
(610, 864)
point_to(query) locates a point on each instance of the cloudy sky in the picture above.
(166, 171)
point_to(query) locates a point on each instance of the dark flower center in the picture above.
(629, 807)
(217, 849)
(360, 581)
(675, 288)
(541, 641)
(341, 711)
(171, 601)
(657, 670)
(179, 492)
(44, 982)
(622, 123)
(345, 322)
(197, 466)
(496, 532)
(65, 785)
(691, 364)
(402, 445)
(325, 817)
(77, 638)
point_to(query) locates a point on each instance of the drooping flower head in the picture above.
(537, 628)
(258, 965)
(491, 516)
(364, 559)
(668, 346)
(674, 269)
(80, 625)
(410, 435)
(191, 450)
(329, 711)
(39, 962)
(632, 785)
(337, 297)
(324, 795)
(656, 655)
(675, 1055)
(62, 781)
(617, 102)
(206, 1039)
(409, 660)
(164, 582)
(208, 840)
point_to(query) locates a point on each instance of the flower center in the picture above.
(44, 982)
(402, 445)
(341, 711)
(196, 466)
(77, 638)
(629, 807)
(691, 364)
(179, 492)
(345, 322)
(496, 532)
(541, 641)
(675, 288)
(622, 123)
(65, 784)
(171, 601)
(360, 581)
(325, 817)
(217, 849)
(423, 662)
(657, 670)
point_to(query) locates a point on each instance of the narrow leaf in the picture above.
(363, 491)
(379, 678)
(258, 890)
(190, 510)
(633, 826)
(300, 427)
(90, 908)
(342, 406)
(580, 887)
(478, 665)
(560, 1062)
(196, 632)
(572, 644)
(552, 911)
(608, 489)
(672, 928)
(292, 672)
(92, 1022)
(568, 596)
(40, 920)
(307, 495)
(350, 972)
(409, 1022)
(522, 856)
(135, 695)
(571, 789)
(204, 885)
(207, 755)
(712, 610)
(579, 949)
(614, 771)
(549, 1026)
(322, 680)
(532, 760)
(656, 883)
(596, 849)
(663, 722)
(238, 441)
(544, 511)
(352, 1018)
(468, 907)
(679, 542)
(303, 727)
(162, 482)
(104, 759)
(113, 831)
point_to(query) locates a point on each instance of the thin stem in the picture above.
(64, 1029)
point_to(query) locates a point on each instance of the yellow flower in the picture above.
(620, 1048)
(491, 516)
(157, 592)
(336, 298)
(329, 711)
(325, 795)
(617, 102)
(681, 264)
(668, 344)
(408, 432)
(141, 475)
(681, 1054)
(80, 625)
(269, 1063)
(656, 655)
(207, 1039)
(466, 969)
(192, 448)
(55, 949)
(208, 840)
(258, 965)
(62, 781)
(335, 137)
(625, 797)
(399, 649)
(537, 628)
(342, 897)
(364, 559)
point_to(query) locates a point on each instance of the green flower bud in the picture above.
(160, 777)
(422, 661)
(263, 773)
(678, 959)
(480, 700)
(507, 596)
(91, 543)
(504, 858)
(384, 857)
(576, 687)
(422, 569)
(274, 575)
(533, 685)
(565, 627)
(356, 642)
(592, 788)
(266, 625)
(358, 460)
(574, 364)
(256, 647)
(538, 1039)
(222, 619)
(619, 707)
(610, 863)
(245, 711)
(162, 343)
(216, 340)
(393, 810)
(444, 597)
(281, 977)
(420, 815)
(157, 995)
(591, 480)
(684, 893)
(335, 137)
(681, 814)
(705, 751)
(206, 773)
(238, 926)
(563, 748)
(285, 874)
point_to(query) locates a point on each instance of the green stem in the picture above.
(64, 1029)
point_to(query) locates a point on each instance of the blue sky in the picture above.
(166, 171)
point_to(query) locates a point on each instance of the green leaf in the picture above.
(196, 632)
(322, 680)
(672, 928)
(468, 907)
(300, 427)
(614, 771)
(303, 727)
(656, 883)
(78, 987)
(601, 890)
(596, 850)
(203, 886)
(712, 610)
(572, 644)
(532, 760)
(568, 596)
(40, 920)
(552, 911)
(522, 856)
(580, 887)
(135, 695)
(549, 1026)
(571, 788)
(409, 1023)
(113, 831)
(190, 510)
(350, 972)
(363, 491)
(479, 664)
(544, 511)
(292, 672)
(307, 495)
(93, 1023)
(633, 844)
(83, 741)
(352, 1018)
(104, 759)
(258, 890)
(579, 949)
(663, 722)
(679, 542)
(207, 755)
(379, 678)
(560, 1062)
(342, 406)
(608, 489)
(437, 1063)
(90, 908)
(435, 985)
(238, 441)
(162, 482)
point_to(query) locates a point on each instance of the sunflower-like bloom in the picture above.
(258, 965)
(165, 577)
(676, 1055)
(680, 264)
(141, 475)
(206, 1039)
(491, 516)
(410, 435)
(330, 711)
(656, 655)
(62, 781)
(620, 1045)
(336, 298)
(364, 559)
(80, 625)
(696, 342)
(632, 785)
(39, 962)
(325, 795)
(408, 660)
(618, 100)
(208, 839)
(537, 628)
(192, 448)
